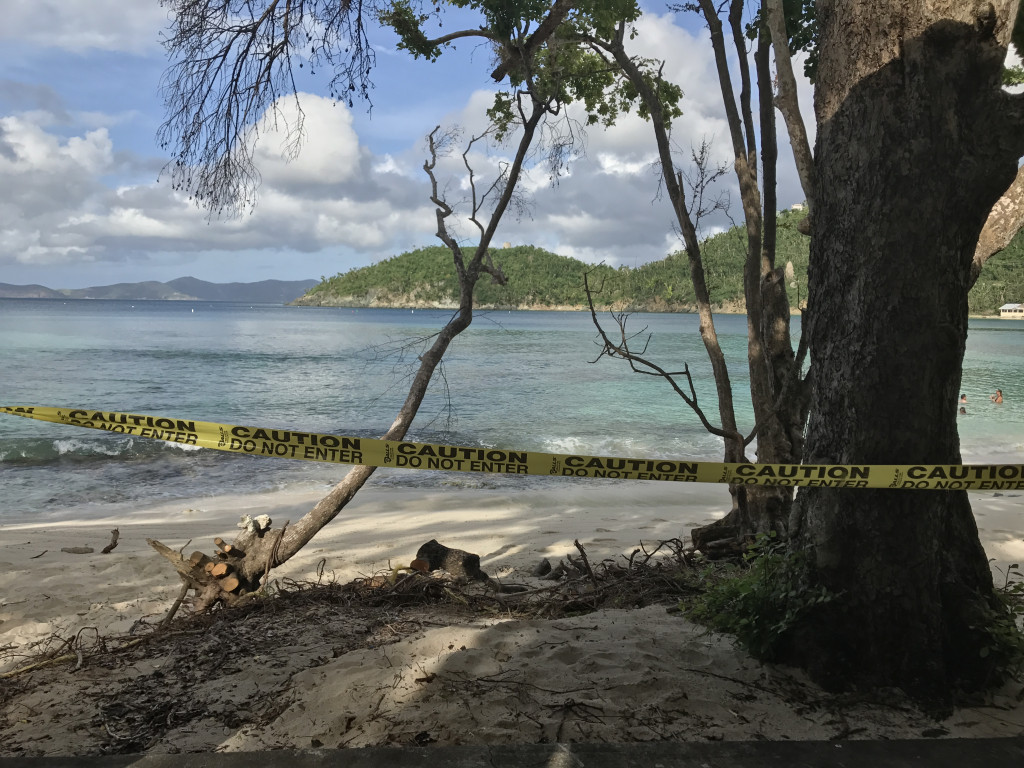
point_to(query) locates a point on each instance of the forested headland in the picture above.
(539, 279)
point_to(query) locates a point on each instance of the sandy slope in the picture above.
(355, 678)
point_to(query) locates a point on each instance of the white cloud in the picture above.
(335, 193)
(68, 195)
(329, 149)
(80, 25)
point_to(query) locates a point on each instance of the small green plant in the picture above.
(1005, 628)
(764, 600)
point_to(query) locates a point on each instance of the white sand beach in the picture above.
(617, 675)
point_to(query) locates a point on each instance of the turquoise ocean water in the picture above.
(521, 380)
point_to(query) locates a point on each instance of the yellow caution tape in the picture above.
(337, 449)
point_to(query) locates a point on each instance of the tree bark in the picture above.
(914, 146)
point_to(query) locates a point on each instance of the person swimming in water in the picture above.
(997, 397)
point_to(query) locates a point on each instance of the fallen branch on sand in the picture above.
(113, 542)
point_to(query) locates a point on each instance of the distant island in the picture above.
(182, 289)
(538, 279)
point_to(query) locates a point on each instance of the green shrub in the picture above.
(762, 599)
(1005, 627)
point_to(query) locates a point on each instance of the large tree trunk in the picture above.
(910, 158)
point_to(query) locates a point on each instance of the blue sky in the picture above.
(81, 204)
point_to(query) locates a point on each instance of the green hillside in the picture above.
(539, 279)
(426, 277)
(1001, 280)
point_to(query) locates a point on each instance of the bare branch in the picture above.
(701, 181)
(232, 73)
(638, 363)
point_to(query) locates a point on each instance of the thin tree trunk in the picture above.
(788, 102)
(769, 353)
(673, 184)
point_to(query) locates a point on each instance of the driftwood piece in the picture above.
(181, 565)
(114, 534)
(207, 592)
(36, 557)
(177, 603)
(78, 550)
(586, 563)
(457, 562)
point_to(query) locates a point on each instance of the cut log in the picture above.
(229, 583)
(209, 566)
(220, 570)
(197, 557)
(227, 549)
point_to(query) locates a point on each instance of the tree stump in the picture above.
(458, 563)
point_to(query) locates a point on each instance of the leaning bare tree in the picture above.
(233, 66)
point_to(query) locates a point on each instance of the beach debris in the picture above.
(541, 569)
(197, 572)
(78, 550)
(556, 573)
(114, 534)
(36, 557)
(225, 577)
(256, 525)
